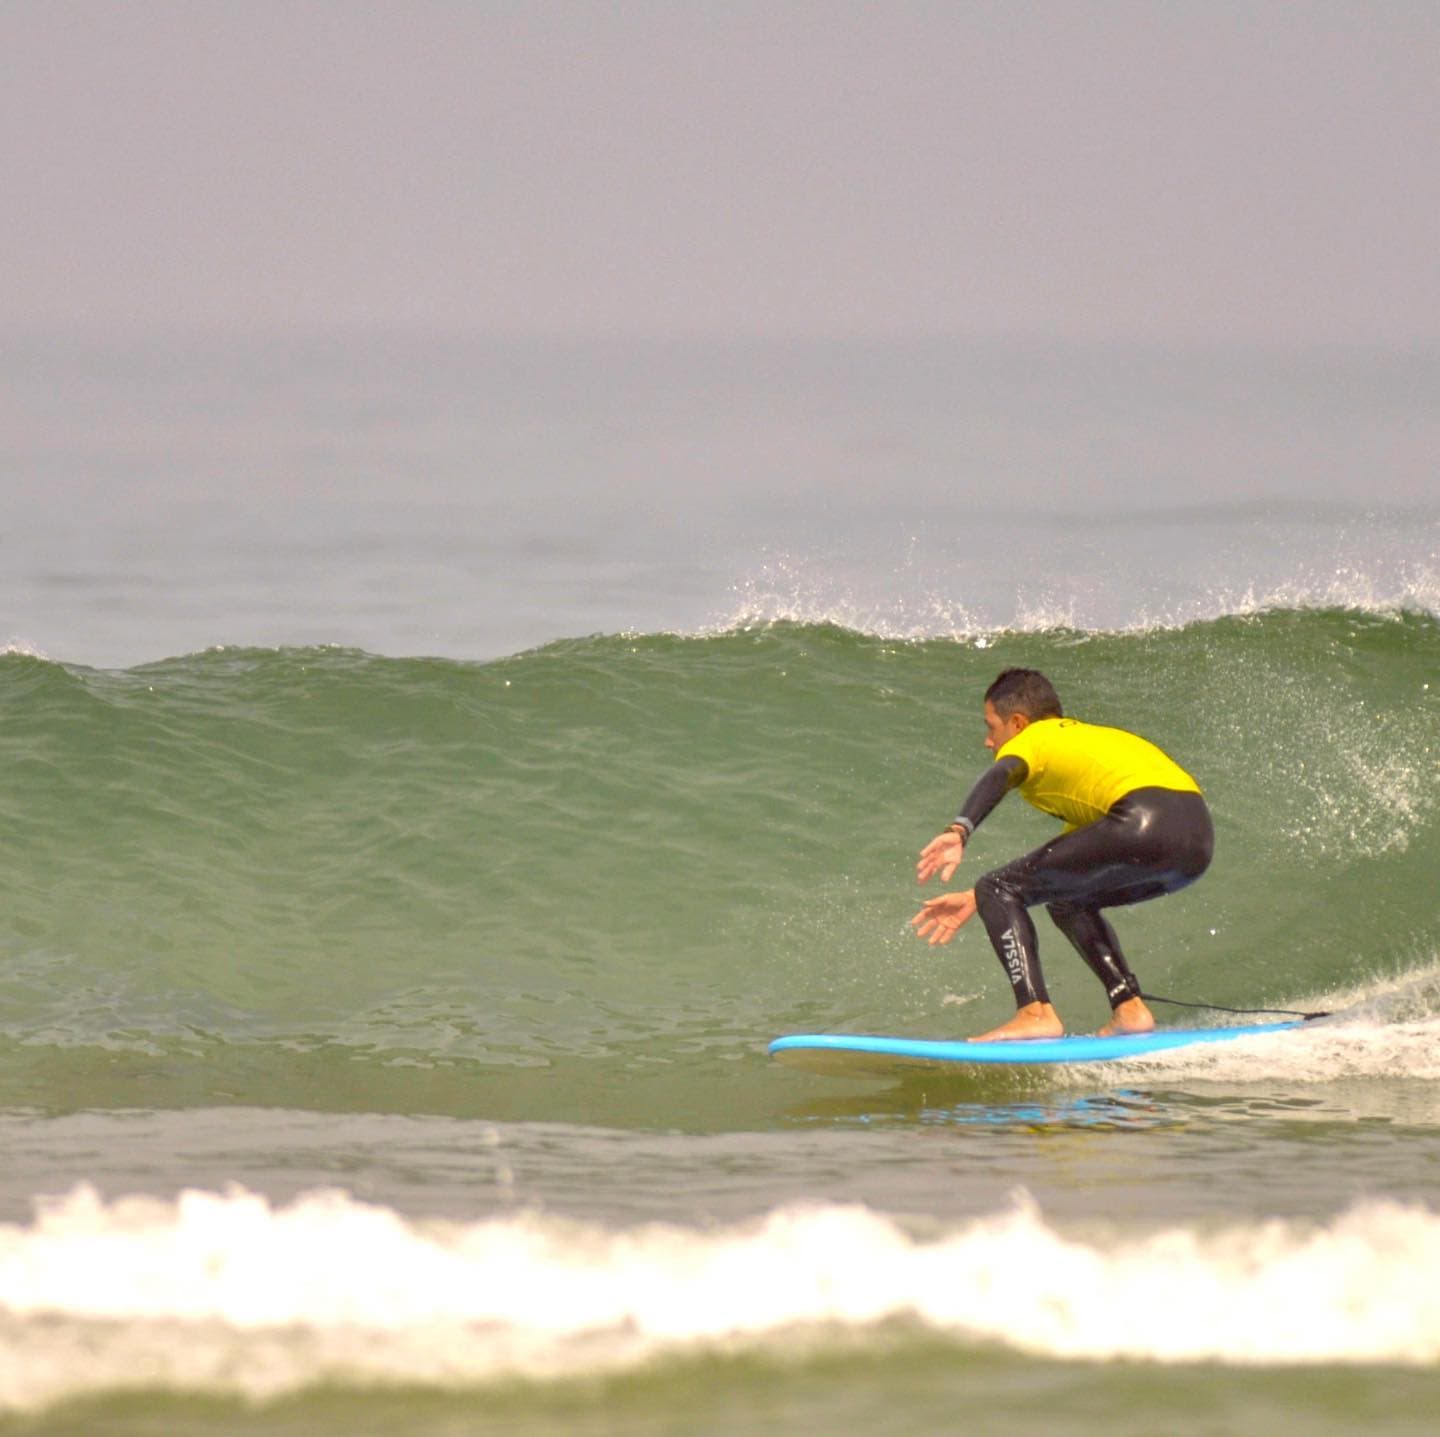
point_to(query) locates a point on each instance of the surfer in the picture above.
(1136, 827)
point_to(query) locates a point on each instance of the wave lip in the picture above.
(223, 1292)
(1024, 590)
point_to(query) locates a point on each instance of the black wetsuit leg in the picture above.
(1154, 841)
(1094, 940)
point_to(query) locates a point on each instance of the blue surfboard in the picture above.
(859, 1053)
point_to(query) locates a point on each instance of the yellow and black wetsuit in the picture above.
(1136, 827)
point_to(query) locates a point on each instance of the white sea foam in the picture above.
(225, 1293)
(1349, 1047)
(904, 600)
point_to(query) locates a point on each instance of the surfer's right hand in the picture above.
(941, 855)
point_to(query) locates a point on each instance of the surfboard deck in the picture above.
(860, 1053)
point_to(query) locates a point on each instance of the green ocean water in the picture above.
(489, 952)
(615, 853)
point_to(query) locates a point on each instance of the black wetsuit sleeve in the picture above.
(997, 780)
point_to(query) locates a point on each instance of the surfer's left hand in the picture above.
(942, 918)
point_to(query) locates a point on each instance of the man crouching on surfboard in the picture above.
(1136, 827)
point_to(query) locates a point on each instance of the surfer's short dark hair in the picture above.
(1024, 691)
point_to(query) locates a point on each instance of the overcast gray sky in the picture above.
(1076, 170)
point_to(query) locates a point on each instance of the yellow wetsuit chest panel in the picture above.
(1077, 771)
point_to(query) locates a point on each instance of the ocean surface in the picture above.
(430, 774)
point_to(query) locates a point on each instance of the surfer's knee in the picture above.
(993, 891)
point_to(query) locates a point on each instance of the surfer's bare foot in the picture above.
(1132, 1016)
(1034, 1020)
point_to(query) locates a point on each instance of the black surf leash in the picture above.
(1221, 1008)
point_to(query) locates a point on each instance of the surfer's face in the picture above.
(999, 731)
